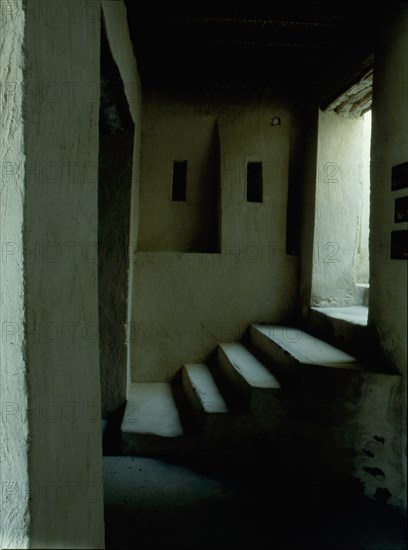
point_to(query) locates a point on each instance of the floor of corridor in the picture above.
(154, 505)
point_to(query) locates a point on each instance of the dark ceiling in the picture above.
(247, 42)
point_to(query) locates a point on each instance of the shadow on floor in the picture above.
(151, 504)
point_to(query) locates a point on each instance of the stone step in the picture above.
(346, 327)
(151, 410)
(153, 422)
(356, 315)
(202, 391)
(289, 349)
(244, 372)
(151, 415)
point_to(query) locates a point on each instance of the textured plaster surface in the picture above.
(184, 304)
(60, 237)
(342, 173)
(346, 419)
(388, 278)
(14, 514)
(182, 226)
(115, 18)
(388, 290)
(115, 174)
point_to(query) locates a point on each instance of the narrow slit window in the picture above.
(179, 180)
(254, 182)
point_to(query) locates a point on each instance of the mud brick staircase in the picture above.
(280, 389)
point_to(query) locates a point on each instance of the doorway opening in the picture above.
(116, 142)
(340, 275)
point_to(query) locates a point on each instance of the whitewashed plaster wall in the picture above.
(114, 373)
(184, 304)
(342, 165)
(54, 454)
(384, 340)
(389, 146)
(14, 470)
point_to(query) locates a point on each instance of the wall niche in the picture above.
(180, 182)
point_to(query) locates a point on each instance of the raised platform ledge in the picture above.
(357, 315)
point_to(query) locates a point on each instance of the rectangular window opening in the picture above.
(179, 180)
(254, 182)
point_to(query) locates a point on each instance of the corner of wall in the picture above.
(117, 30)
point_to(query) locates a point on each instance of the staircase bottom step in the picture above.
(152, 426)
(151, 410)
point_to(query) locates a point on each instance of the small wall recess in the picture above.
(254, 182)
(179, 187)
